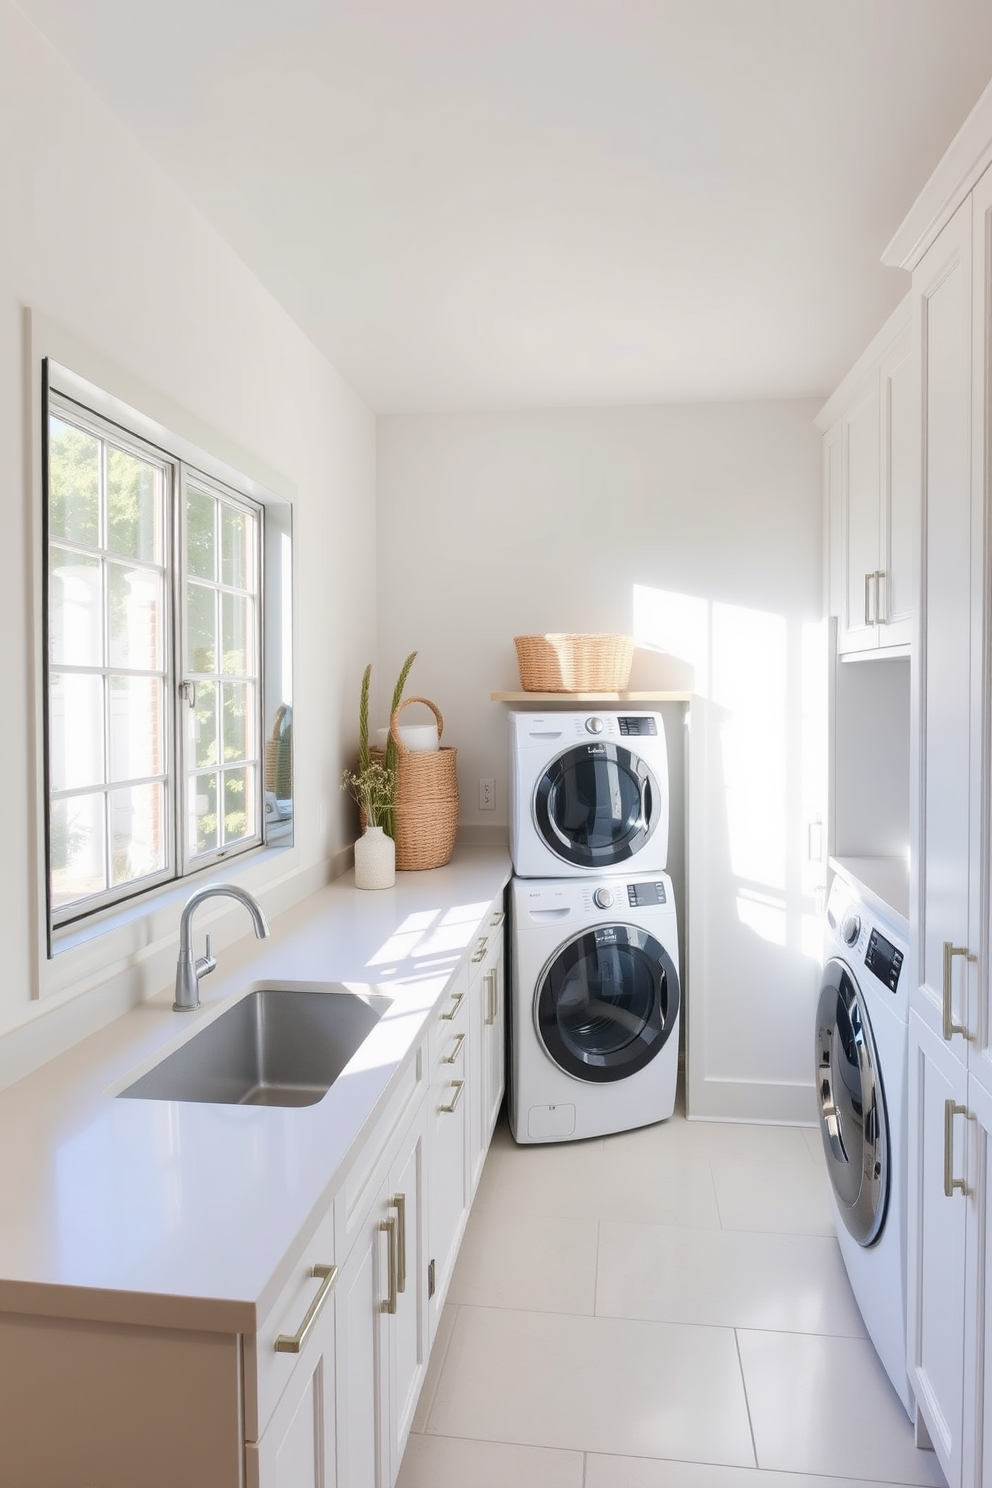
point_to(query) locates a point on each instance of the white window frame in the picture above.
(90, 953)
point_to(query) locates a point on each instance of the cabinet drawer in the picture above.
(366, 1174)
(450, 1017)
(306, 1299)
(488, 943)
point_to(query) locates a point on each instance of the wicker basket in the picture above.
(574, 663)
(279, 755)
(425, 815)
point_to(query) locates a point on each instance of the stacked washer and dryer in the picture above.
(596, 997)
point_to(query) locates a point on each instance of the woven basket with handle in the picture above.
(425, 815)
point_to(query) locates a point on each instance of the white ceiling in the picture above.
(514, 203)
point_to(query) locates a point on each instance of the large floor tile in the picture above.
(641, 1472)
(653, 1177)
(446, 1462)
(593, 1384)
(744, 1142)
(790, 1198)
(824, 1405)
(726, 1278)
(534, 1262)
(554, 1180)
(439, 1349)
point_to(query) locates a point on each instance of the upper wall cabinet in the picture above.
(871, 439)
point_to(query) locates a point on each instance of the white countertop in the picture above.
(168, 1212)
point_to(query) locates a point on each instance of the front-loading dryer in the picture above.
(588, 793)
(861, 1079)
(594, 1028)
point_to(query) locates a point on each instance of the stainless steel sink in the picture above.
(278, 1046)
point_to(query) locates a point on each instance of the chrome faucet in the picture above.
(188, 971)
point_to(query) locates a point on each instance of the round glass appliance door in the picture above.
(607, 1002)
(595, 805)
(851, 1103)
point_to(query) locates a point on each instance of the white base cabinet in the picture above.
(323, 1394)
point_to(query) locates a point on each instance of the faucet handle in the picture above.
(205, 964)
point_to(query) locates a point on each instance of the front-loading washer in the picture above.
(861, 1077)
(595, 1003)
(588, 793)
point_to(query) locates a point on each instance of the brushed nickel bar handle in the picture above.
(480, 950)
(389, 1227)
(491, 997)
(948, 1027)
(868, 579)
(292, 1343)
(950, 1182)
(457, 998)
(456, 1045)
(497, 920)
(459, 1088)
(398, 1202)
(879, 618)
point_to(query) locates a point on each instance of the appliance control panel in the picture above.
(641, 895)
(883, 960)
(640, 726)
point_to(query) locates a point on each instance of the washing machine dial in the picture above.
(850, 927)
(594, 725)
(603, 898)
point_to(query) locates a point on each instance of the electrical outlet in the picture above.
(487, 795)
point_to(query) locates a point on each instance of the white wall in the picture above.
(698, 528)
(99, 241)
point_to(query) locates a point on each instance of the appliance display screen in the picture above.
(641, 727)
(645, 893)
(883, 960)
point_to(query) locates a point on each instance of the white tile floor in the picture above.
(666, 1308)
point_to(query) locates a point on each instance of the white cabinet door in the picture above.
(358, 1349)
(488, 1040)
(493, 1034)
(382, 1322)
(898, 584)
(405, 1328)
(298, 1447)
(937, 1241)
(870, 474)
(947, 828)
(860, 438)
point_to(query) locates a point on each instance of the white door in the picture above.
(937, 1246)
(947, 860)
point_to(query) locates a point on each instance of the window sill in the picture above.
(130, 936)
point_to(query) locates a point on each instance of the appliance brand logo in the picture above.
(595, 749)
(607, 936)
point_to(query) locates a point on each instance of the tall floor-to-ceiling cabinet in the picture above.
(947, 243)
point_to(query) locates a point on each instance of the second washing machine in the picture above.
(595, 1003)
(861, 1078)
(588, 793)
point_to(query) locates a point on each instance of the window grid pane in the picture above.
(107, 712)
(222, 736)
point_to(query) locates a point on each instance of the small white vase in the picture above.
(375, 860)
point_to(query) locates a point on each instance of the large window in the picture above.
(155, 750)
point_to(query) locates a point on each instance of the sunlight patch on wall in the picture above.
(761, 678)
